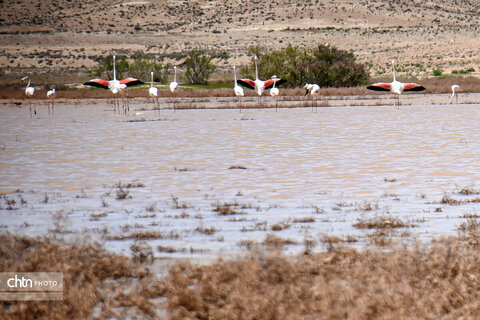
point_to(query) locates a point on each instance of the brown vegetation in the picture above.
(402, 283)
(92, 280)
(422, 281)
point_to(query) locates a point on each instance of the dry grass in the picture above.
(228, 208)
(439, 280)
(92, 278)
(380, 223)
(434, 282)
(145, 235)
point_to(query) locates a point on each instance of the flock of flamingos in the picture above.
(119, 88)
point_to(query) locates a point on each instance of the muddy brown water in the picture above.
(305, 174)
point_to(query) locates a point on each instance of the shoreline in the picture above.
(252, 102)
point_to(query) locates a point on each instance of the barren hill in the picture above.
(51, 37)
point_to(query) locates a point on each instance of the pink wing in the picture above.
(99, 83)
(247, 83)
(130, 82)
(413, 87)
(269, 82)
(381, 86)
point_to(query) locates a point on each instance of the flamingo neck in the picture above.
(393, 69)
(152, 79)
(28, 85)
(235, 75)
(114, 70)
(256, 69)
(175, 75)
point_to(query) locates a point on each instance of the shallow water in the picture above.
(60, 173)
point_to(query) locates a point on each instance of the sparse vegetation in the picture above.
(380, 223)
(227, 209)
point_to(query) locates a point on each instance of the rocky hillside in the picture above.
(73, 35)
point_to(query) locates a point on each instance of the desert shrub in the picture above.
(324, 64)
(437, 72)
(198, 67)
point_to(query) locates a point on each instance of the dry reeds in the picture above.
(437, 282)
(92, 278)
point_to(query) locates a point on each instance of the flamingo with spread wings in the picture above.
(115, 86)
(260, 85)
(396, 87)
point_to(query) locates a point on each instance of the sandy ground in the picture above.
(65, 37)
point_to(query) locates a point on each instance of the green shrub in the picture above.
(324, 65)
(198, 67)
(437, 72)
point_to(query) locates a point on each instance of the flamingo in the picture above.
(454, 93)
(115, 86)
(174, 86)
(237, 89)
(51, 96)
(274, 92)
(395, 86)
(29, 92)
(259, 85)
(314, 90)
(153, 93)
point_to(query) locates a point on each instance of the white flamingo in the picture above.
(274, 92)
(153, 93)
(395, 86)
(174, 86)
(51, 97)
(237, 89)
(115, 86)
(314, 90)
(29, 92)
(455, 89)
(259, 85)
